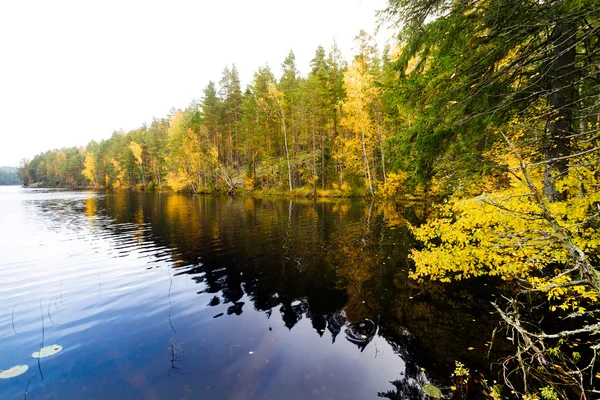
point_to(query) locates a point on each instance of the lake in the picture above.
(173, 296)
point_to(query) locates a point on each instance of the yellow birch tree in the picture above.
(357, 148)
(277, 97)
(137, 151)
(89, 171)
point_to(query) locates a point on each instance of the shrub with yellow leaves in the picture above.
(548, 248)
(515, 233)
(249, 182)
(393, 185)
(507, 234)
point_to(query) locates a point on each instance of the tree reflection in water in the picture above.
(342, 265)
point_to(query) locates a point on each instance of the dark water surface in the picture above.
(167, 296)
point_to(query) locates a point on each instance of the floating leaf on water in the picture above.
(471, 348)
(432, 391)
(47, 351)
(14, 371)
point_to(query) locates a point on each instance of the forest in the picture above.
(8, 176)
(325, 131)
(491, 109)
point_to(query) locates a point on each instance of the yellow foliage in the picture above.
(391, 215)
(396, 52)
(89, 171)
(120, 181)
(190, 158)
(506, 233)
(136, 149)
(412, 65)
(460, 370)
(177, 180)
(345, 188)
(311, 179)
(393, 184)
(355, 149)
(249, 182)
(360, 90)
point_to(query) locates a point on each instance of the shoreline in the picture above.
(299, 193)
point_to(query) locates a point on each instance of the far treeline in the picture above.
(8, 176)
(494, 106)
(328, 130)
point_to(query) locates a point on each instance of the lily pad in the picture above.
(47, 351)
(14, 371)
(432, 391)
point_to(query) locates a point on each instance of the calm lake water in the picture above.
(168, 296)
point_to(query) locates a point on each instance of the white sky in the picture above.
(73, 71)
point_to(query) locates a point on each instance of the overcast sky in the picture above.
(75, 71)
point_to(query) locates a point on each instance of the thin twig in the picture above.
(42, 343)
(13, 319)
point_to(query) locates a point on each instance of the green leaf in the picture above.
(47, 351)
(14, 371)
(432, 391)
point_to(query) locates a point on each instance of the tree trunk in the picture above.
(561, 100)
(142, 171)
(382, 157)
(322, 160)
(314, 151)
(158, 176)
(287, 153)
(368, 169)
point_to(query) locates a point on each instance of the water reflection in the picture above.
(233, 273)
(342, 265)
